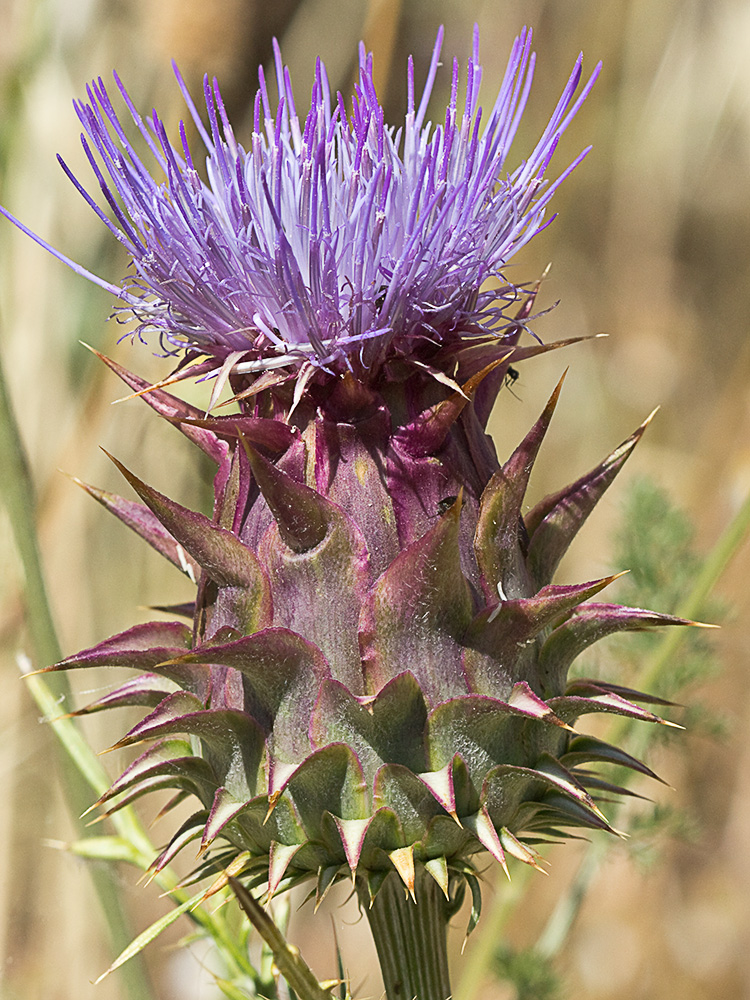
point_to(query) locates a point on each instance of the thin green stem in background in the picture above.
(490, 931)
(131, 842)
(18, 494)
(713, 567)
(19, 497)
(554, 935)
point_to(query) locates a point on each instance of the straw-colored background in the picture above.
(651, 246)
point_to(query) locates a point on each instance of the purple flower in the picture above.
(335, 243)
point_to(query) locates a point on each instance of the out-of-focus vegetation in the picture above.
(651, 246)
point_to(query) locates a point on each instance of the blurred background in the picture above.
(651, 247)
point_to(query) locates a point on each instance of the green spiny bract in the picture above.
(376, 672)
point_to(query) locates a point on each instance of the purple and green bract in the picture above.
(374, 680)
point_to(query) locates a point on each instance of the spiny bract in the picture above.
(375, 676)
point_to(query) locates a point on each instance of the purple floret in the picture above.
(338, 242)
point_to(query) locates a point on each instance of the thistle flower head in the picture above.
(335, 241)
(375, 677)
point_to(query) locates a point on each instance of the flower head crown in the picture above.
(335, 243)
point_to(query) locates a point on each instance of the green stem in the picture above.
(288, 960)
(718, 559)
(410, 937)
(139, 849)
(563, 916)
(554, 935)
(18, 493)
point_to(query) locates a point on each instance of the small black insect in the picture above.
(445, 505)
(511, 377)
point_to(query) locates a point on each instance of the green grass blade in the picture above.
(67, 732)
(18, 495)
(232, 991)
(147, 936)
